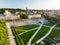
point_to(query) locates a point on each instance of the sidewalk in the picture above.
(10, 35)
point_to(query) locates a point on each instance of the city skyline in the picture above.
(30, 4)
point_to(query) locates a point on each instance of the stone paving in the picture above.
(10, 35)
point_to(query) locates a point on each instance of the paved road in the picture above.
(10, 35)
(38, 41)
(30, 40)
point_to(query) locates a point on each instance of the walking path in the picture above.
(25, 31)
(10, 35)
(52, 40)
(30, 40)
(28, 31)
(38, 41)
(50, 26)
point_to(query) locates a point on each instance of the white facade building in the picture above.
(9, 15)
(34, 16)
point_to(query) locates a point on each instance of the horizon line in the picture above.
(29, 8)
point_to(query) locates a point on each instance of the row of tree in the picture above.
(52, 18)
(12, 10)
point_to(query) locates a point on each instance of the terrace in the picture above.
(24, 33)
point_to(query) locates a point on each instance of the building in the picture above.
(10, 16)
(34, 16)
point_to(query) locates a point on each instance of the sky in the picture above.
(30, 4)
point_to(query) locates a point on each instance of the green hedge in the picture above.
(3, 33)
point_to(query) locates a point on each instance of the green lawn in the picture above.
(49, 24)
(41, 33)
(24, 38)
(3, 33)
(58, 26)
(54, 32)
(20, 28)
